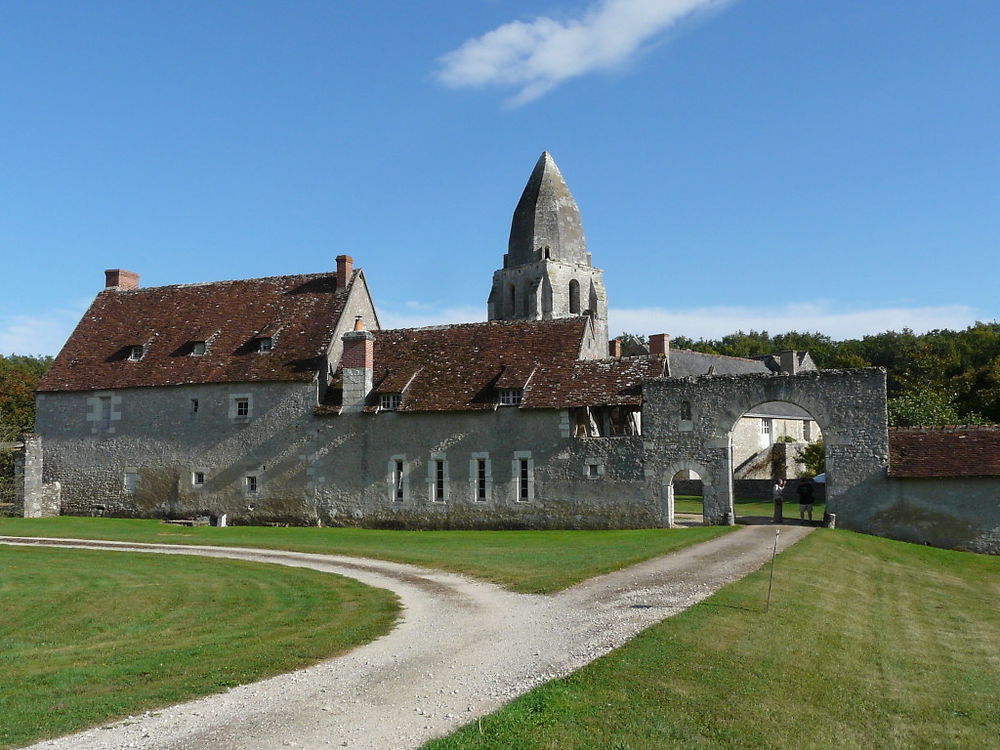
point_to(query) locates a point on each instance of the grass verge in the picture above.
(525, 561)
(89, 636)
(868, 643)
(693, 504)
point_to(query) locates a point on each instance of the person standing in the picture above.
(778, 496)
(806, 492)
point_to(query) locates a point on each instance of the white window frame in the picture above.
(474, 479)
(398, 479)
(199, 348)
(251, 484)
(389, 401)
(510, 396)
(195, 474)
(136, 352)
(234, 406)
(516, 466)
(766, 426)
(437, 487)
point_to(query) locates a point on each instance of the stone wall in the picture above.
(34, 498)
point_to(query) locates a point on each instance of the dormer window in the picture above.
(265, 344)
(510, 396)
(135, 353)
(198, 348)
(390, 401)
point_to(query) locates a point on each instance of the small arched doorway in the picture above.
(683, 492)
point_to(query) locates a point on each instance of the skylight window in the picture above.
(390, 401)
(265, 344)
(135, 353)
(198, 348)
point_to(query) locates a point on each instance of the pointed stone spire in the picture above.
(546, 222)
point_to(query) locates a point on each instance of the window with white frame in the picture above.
(480, 477)
(240, 406)
(131, 481)
(437, 478)
(397, 479)
(389, 401)
(197, 478)
(766, 426)
(135, 352)
(511, 396)
(250, 484)
(523, 470)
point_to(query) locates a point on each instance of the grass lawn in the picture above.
(869, 643)
(526, 561)
(692, 504)
(89, 636)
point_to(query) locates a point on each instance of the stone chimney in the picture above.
(615, 348)
(345, 264)
(659, 343)
(789, 361)
(119, 278)
(357, 361)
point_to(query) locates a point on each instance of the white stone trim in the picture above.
(234, 400)
(390, 478)
(515, 470)
(474, 460)
(432, 491)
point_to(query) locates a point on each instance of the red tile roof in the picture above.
(944, 452)
(299, 312)
(460, 367)
(592, 382)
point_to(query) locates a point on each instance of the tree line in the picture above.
(942, 377)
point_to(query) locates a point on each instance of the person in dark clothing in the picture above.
(806, 497)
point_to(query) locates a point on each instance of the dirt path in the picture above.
(461, 650)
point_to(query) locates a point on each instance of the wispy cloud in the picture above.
(41, 333)
(538, 55)
(825, 317)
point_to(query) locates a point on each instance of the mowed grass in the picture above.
(790, 509)
(869, 643)
(89, 636)
(525, 561)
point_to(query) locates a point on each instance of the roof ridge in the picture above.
(190, 284)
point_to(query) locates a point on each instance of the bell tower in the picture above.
(547, 271)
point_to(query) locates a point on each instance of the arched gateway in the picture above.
(688, 421)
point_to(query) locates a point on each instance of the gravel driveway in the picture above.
(461, 650)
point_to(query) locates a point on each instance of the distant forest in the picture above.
(938, 378)
(941, 377)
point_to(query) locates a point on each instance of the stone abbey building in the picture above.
(283, 399)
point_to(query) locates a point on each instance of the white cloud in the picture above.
(825, 317)
(42, 333)
(417, 315)
(538, 55)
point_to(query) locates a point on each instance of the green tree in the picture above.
(813, 456)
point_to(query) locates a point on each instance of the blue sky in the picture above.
(775, 164)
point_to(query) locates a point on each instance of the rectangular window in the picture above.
(511, 396)
(131, 481)
(685, 411)
(242, 407)
(593, 470)
(481, 479)
(135, 353)
(390, 401)
(765, 426)
(194, 406)
(523, 476)
(251, 484)
(265, 345)
(197, 478)
(104, 420)
(198, 349)
(438, 485)
(398, 491)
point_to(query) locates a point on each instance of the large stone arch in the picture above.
(848, 405)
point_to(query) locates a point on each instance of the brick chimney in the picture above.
(358, 361)
(345, 264)
(119, 278)
(659, 343)
(615, 348)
